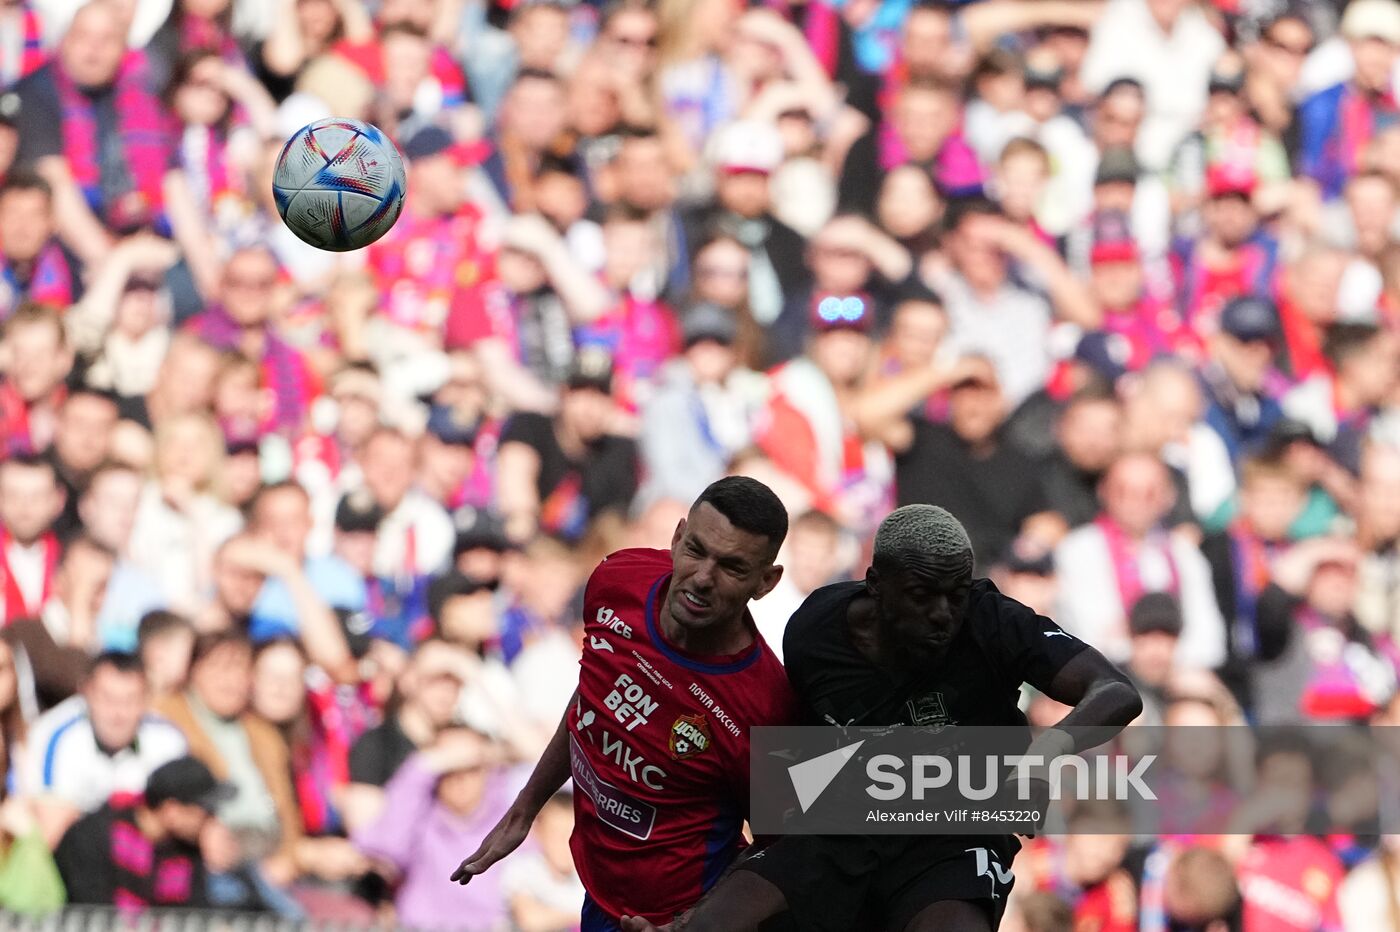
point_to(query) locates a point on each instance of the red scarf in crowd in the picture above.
(1123, 555)
(15, 606)
(145, 134)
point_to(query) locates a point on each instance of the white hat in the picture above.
(1372, 19)
(747, 146)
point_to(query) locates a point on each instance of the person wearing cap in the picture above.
(1339, 122)
(1149, 325)
(558, 474)
(156, 835)
(744, 155)
(807, 429)
(1235, 375)
(1235, 254)
(433, 250)
(35, 266)
(703, 410)
(1154, 628)
(396, 605)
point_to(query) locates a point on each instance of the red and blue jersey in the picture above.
(659, 746)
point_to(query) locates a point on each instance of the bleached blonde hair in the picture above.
(923, 530)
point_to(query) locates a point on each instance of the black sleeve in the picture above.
(1030, 648)
(528, 428)
(1216, 549)
(367, 760)
(1273, 621)
(78, 858)
(859, 186)
(40, 132)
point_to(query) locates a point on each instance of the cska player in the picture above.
(673, 676)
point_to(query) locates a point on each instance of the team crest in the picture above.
(690, 735)
(928, 711)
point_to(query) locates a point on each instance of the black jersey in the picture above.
(1000, 645)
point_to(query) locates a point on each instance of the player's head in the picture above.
(722, 552)
(919, 576)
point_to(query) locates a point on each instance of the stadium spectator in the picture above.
(34, 388)
(95, 744)
(704, 409)
(1107, 565)
(216, 716)
(145, 849)
(556, 475)
(968, 467)
(438, 803)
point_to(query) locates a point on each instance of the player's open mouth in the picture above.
(694, 602)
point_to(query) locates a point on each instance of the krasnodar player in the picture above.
(673, 676)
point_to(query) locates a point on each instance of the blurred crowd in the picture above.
(292, 542)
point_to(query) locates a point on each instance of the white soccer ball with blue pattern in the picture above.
(339, 184)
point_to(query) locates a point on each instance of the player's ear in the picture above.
(872, 581)
(680, 532)
(771, 576)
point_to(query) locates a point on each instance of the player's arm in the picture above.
(738, 902)
(1104, 702)
(549, 775)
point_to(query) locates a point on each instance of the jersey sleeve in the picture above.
(1030, 647)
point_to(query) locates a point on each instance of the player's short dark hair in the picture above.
(118, 661)
(159, 623)
(749, 505)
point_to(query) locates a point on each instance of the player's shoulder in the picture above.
(631, 565)
(634, 558)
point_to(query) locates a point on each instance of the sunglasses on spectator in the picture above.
(837, 311)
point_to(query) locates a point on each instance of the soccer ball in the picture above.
(339, 184)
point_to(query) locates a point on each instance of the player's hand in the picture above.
(638, 924)
(508, 835)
